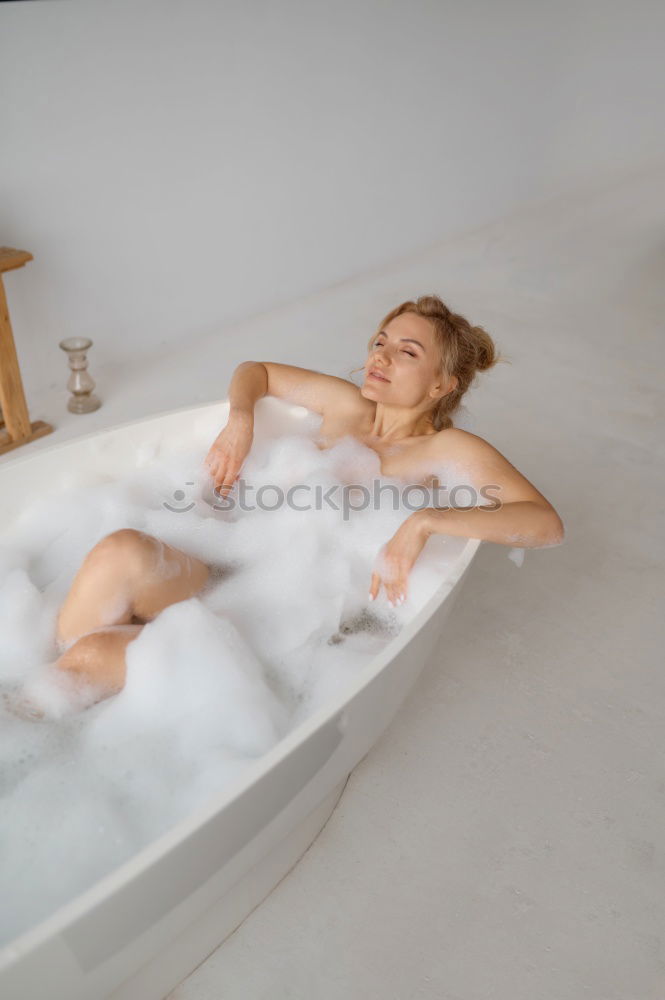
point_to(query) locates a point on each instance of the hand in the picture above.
(228, 452)
(396, 557)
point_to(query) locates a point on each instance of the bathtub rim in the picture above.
(11, 458)
(46, 444)
(16, 948)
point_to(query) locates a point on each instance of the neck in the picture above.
(396, 423)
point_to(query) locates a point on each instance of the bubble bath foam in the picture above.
(144, 926)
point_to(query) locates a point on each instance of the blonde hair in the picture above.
(464, 350)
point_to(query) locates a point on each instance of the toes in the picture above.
(18, 704)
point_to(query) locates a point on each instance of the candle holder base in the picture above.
(83, 404)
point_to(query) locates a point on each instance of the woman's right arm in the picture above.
(231, 446)
(249, 383)
(254, 379)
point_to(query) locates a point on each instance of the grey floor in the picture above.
(504, 839)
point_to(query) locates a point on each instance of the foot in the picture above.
(19, 704)
(51, 694)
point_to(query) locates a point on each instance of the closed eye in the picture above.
(411, 354)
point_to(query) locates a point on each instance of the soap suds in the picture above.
(213, 682)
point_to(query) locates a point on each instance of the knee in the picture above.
(99, 655)
(125, 538)
(126, 547)
(83, 654)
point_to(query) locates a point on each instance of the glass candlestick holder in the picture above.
(80, 383)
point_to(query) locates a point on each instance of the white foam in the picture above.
(517, 556)
(213, 682)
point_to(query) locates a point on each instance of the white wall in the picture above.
(175, 167)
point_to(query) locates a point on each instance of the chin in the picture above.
(369, 389)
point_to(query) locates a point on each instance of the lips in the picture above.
(373, 373)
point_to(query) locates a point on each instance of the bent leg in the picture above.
(167, 575)
(128, 577)
(99, 658)
(92, 669)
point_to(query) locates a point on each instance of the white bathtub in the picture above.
(143, 928)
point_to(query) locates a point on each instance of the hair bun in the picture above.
(485, 350)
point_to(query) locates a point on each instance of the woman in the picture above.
(420, 363)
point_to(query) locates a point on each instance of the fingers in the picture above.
(224, 482)
(224, 488)
(396, 593)
(227, 454)
(223, 471)
(392, 570)
(396, 590)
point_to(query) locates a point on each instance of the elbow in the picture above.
(246, 366)
(543, 528)
(553, 531)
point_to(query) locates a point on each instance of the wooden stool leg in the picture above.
(15, 425)
(12, 397)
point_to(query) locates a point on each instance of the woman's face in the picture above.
(406, 357)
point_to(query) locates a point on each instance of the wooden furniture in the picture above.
(15, 426)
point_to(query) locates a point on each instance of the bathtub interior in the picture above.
(104, 457)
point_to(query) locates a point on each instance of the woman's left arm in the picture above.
(522, 523)
(519, 515)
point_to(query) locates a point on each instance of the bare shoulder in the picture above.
(455, 442)
(484, 464)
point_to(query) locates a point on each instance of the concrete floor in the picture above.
(504, 839)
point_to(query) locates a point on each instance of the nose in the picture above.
(378, 359)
